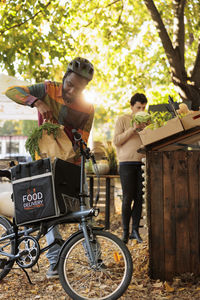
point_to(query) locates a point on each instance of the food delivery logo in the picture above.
(32, 199)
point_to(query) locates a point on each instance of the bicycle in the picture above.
(92, 263)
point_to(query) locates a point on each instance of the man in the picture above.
(61, 103)
(127, 142)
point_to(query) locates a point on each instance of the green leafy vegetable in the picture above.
(159, 119)
(141, 117)
(153, 120)
(33, 140)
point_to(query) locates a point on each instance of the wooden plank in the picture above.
(169, 214)
(193, 216)
(179, 137)
(181, 212)
(155, 200)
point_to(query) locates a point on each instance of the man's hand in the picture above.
(139, 127)
(44, 110)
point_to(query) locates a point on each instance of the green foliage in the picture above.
(89, 167)
(43, 36)
(28, 126)
(159, 119)
(23, 127)
(160, 94)
(9, 128)
(38, 39)
(153, 119)
(33, 140)
(111, 156)
(31, 35)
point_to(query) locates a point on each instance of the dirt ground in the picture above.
(16, 286)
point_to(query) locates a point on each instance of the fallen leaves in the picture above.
(168, 288)
(185, 287)
(158, 284)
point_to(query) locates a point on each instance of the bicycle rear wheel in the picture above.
(111, 276)
(6, 246)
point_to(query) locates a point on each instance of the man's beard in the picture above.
(67, 99)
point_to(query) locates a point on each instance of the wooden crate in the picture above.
(173, 212)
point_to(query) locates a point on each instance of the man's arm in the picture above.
(26, 95)
(31, 96)
(121, 135)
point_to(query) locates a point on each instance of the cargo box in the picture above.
(42, 190)
(149, 136)
(191, 120)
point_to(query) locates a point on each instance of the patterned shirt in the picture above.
(70, 115)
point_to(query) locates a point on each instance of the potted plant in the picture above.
(111, 156)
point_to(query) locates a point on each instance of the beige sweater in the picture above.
(126, 140)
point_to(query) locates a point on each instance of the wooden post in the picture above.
(155, 205)
(173, 188)
(107, 208)
(169, 183)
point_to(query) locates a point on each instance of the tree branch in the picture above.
(88, 24)
(122, 8)
(165, 39)
(173, 55)
(22, 23)
(179, 29)
(110, 4)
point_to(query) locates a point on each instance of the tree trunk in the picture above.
(189, 92)
(188, 86)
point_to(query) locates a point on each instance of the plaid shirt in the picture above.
(69, 115)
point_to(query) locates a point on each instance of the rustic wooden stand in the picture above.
(173, 205)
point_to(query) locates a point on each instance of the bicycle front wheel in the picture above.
(111, 276)
(6, 246)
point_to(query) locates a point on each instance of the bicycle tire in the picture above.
(80, 281)
(7, 246)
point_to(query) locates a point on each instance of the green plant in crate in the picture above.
(159, 119)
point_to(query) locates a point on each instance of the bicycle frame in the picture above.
(98, 258)
(80, 217)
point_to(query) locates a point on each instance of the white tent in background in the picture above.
(9, 110)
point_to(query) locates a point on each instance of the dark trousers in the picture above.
(131, 182)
